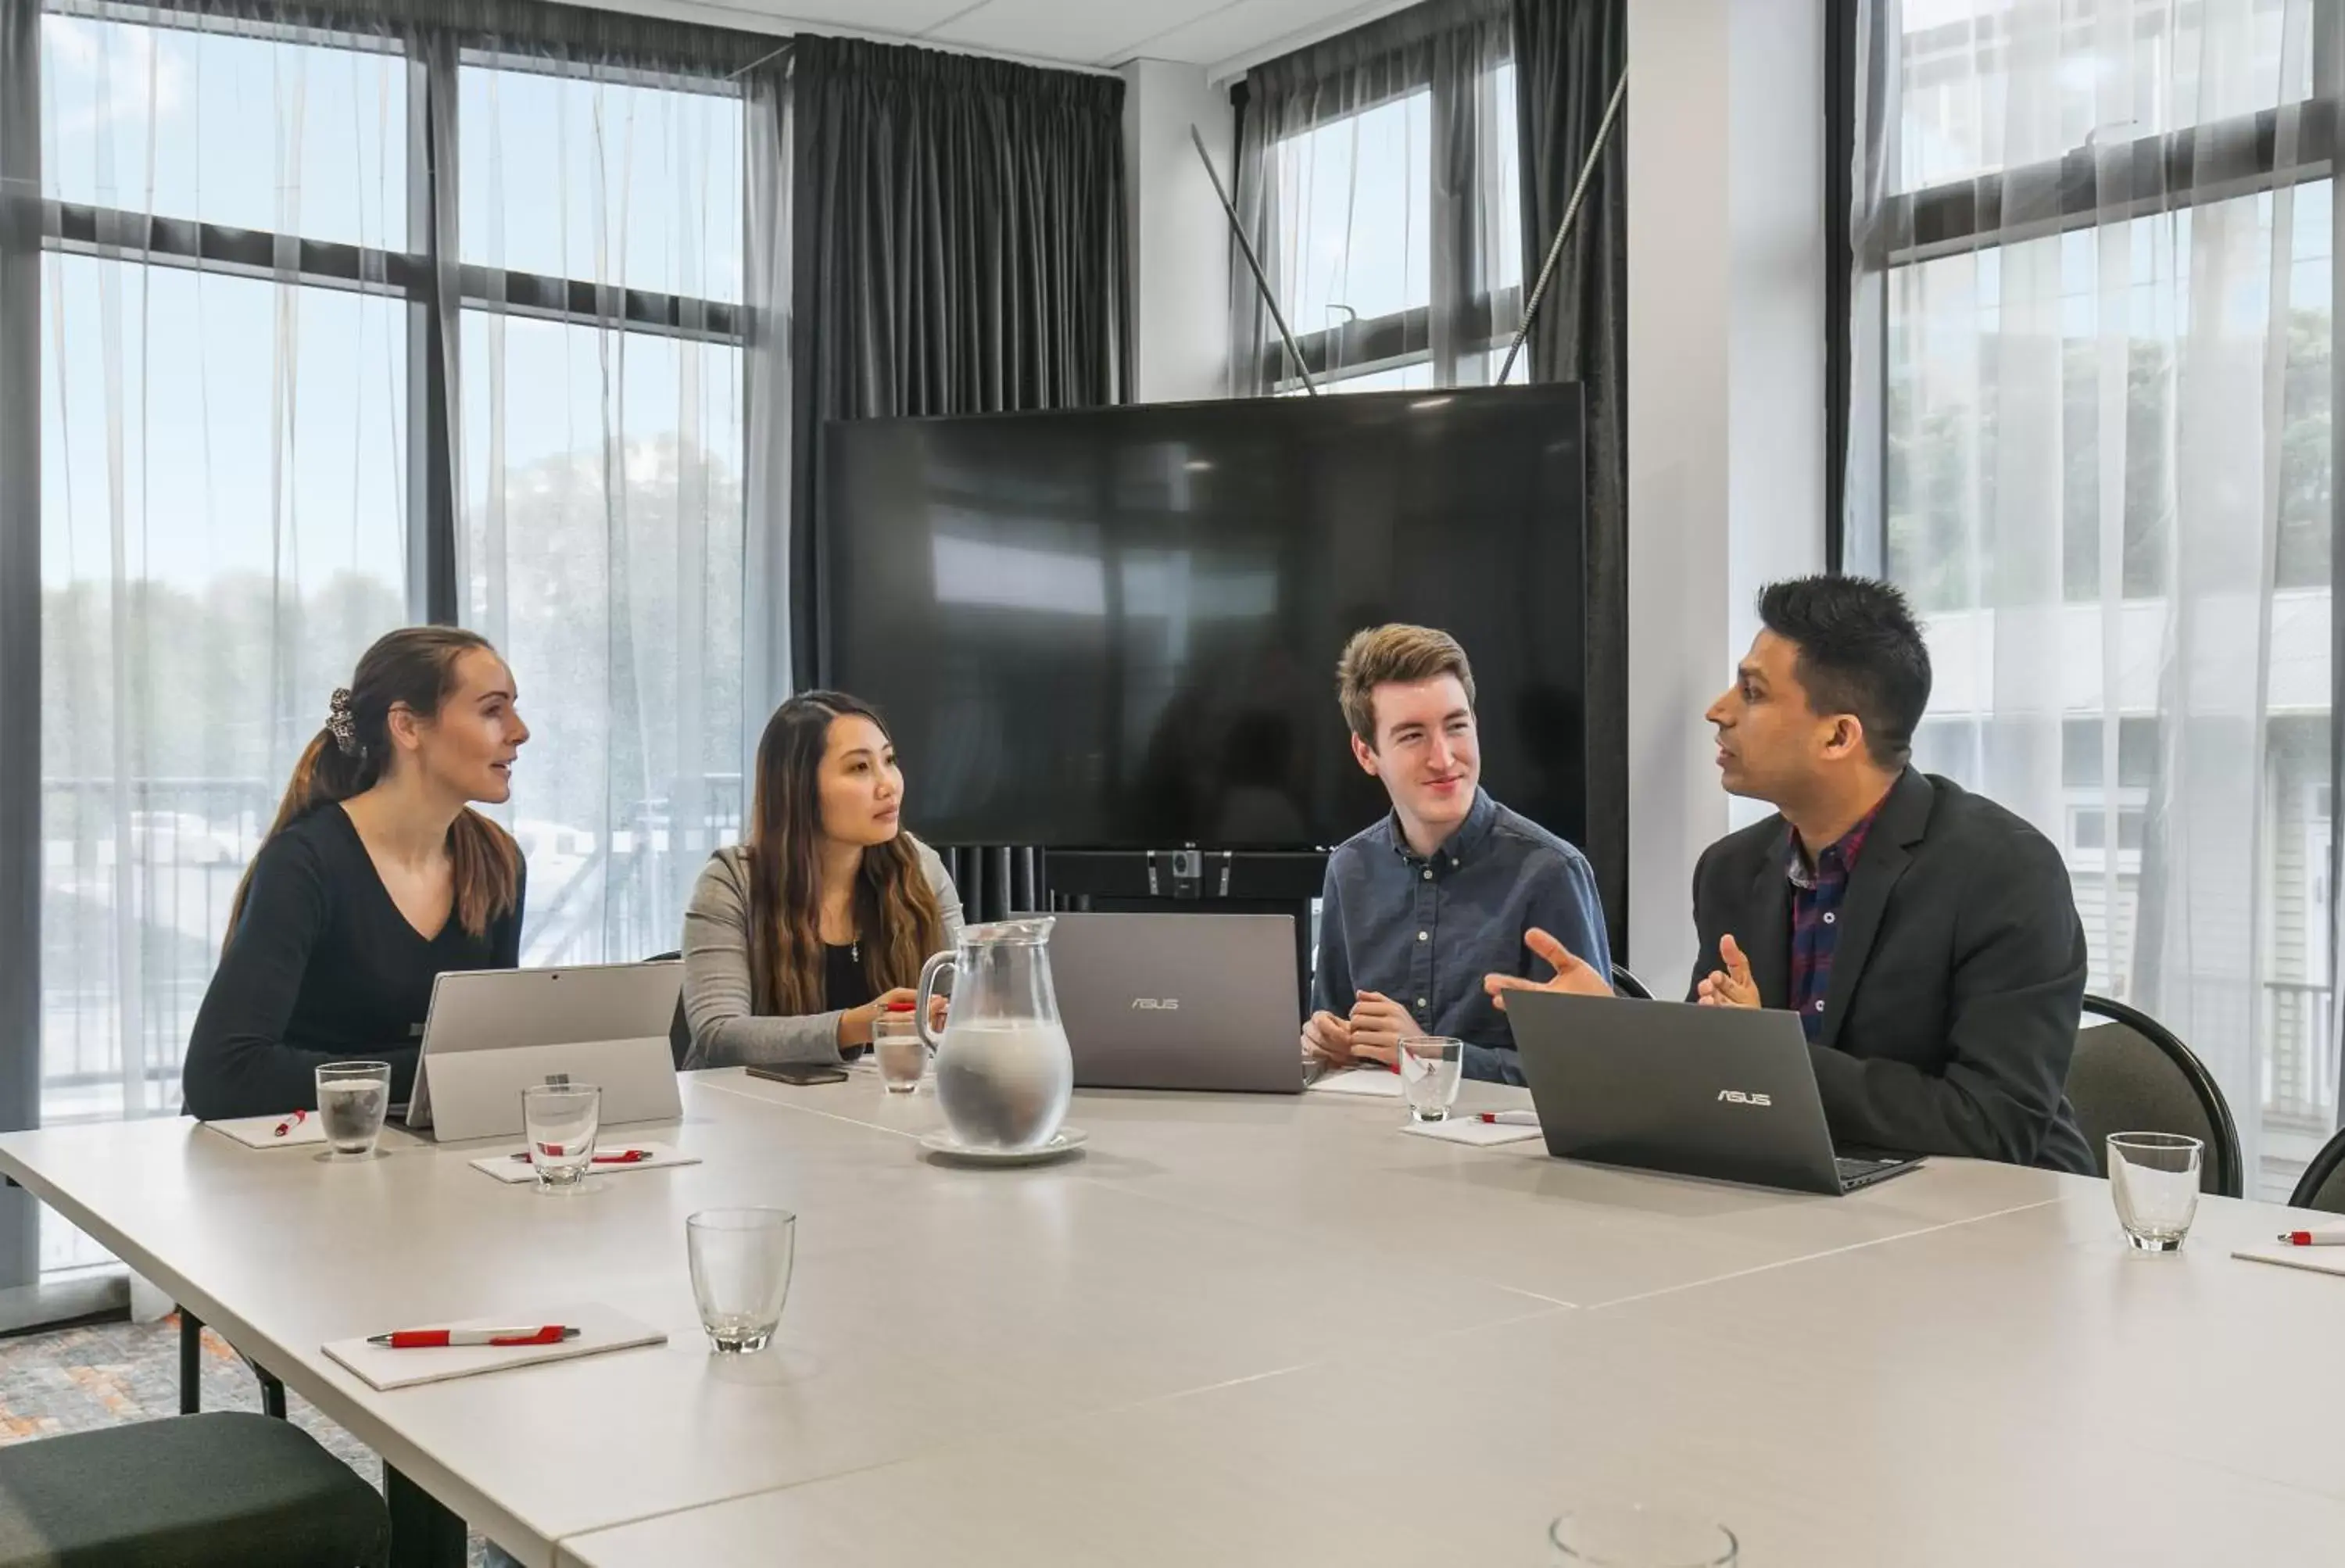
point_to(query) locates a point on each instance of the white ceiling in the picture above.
(1223, 35)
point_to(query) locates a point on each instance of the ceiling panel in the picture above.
(1093, 32)
(1254, 25)
(904, 19)
(1097, 33)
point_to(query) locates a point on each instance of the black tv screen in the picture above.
(1118, 628)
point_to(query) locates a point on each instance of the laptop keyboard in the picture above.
(1855, 1171)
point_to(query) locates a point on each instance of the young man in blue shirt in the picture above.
(1420, 907)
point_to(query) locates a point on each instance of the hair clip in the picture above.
(340, 724)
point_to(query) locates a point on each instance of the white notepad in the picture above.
(260, 1132)
(1471, 1129)
(603, 1328)
(2317, 1259)
(1369, 1082)
(505, 1168)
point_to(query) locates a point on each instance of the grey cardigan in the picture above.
(725, 1031)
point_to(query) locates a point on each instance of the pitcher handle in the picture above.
(938, 964)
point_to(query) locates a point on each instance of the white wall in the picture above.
(1726, 402)
(1178, 237)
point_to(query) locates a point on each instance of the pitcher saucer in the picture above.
(945, 1147)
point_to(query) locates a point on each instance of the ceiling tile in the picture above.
(908, 18)
(1255, 24)
(1092, 31)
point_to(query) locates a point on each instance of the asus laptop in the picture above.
(1206, 1001)
(1721, 1092)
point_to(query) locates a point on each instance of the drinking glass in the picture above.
(353, 1097)
(902, 1055)
(2154, 1182)
(561, 1121)
(1429, 1067)
(1630, 1535)
(741, 1261)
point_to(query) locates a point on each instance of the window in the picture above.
(2104, 439)
(258, 454)
(602, 484)
(1382, 169)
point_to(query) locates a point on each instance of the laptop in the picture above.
(493, 1032)
(1721, 1091)
(1206, 1001)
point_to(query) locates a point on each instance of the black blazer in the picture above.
(1956, 983)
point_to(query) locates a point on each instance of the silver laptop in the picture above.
(493, 1032)
(1721, 1091)
(1180, 1000)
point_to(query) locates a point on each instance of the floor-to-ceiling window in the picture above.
(305, 376)
(2096, 450)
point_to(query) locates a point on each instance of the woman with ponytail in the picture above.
(376, 876)
(796, 940)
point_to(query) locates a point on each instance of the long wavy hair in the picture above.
(414, 667)
(895, 912)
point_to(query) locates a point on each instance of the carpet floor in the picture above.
(76, 1379)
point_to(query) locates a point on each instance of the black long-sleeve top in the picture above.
(322, 967)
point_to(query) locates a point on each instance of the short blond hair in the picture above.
(1398, 654)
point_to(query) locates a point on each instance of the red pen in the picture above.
(2313, 1237)
(1511, 1118)
(443, 1338)
(290, 1123)
(616, 1157)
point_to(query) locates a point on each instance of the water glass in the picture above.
(561, 1121)
(2154, 1182)
(1429, 1068)
(741, 1261)
(353, 1097)
(1630, 1535)
(902, 1055)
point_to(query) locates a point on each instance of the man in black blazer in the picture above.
(1927, 938)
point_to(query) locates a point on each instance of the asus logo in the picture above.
(1156, 1005)
(1737, 1097)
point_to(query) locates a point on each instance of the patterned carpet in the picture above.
(72, 1379)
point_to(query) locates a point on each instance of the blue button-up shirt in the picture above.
(1425, 931)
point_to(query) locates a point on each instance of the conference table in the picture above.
(1265, 1330)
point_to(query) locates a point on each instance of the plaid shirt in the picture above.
(1816, 894)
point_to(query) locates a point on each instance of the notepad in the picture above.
(1369, 1082)
(1471, 1130)
(2317, 1259)
(260, 1132)
(505, 1168)
(601, 1329)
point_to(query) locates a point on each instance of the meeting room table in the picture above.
(1261, 1331)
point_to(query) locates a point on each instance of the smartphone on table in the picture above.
(799, 1073)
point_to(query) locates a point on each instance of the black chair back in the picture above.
(2323, 1184)
(1624, 983)
(679, 1032)
(2131, 1075)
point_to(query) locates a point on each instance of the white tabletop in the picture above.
(1246, 1329)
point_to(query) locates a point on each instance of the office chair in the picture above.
(2131, 1075)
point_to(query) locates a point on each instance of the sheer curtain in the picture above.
(1376, 176)
(603, 386)
(422, 309)
(2096, 309)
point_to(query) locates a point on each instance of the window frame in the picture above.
(1373, 345)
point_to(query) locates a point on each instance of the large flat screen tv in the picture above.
(1118, 628)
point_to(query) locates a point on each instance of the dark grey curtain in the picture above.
(1569, 57)
(956, 247)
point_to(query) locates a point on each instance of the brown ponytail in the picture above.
(414, 668)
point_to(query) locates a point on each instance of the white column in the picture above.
(1179, 237)
(1726, 402)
